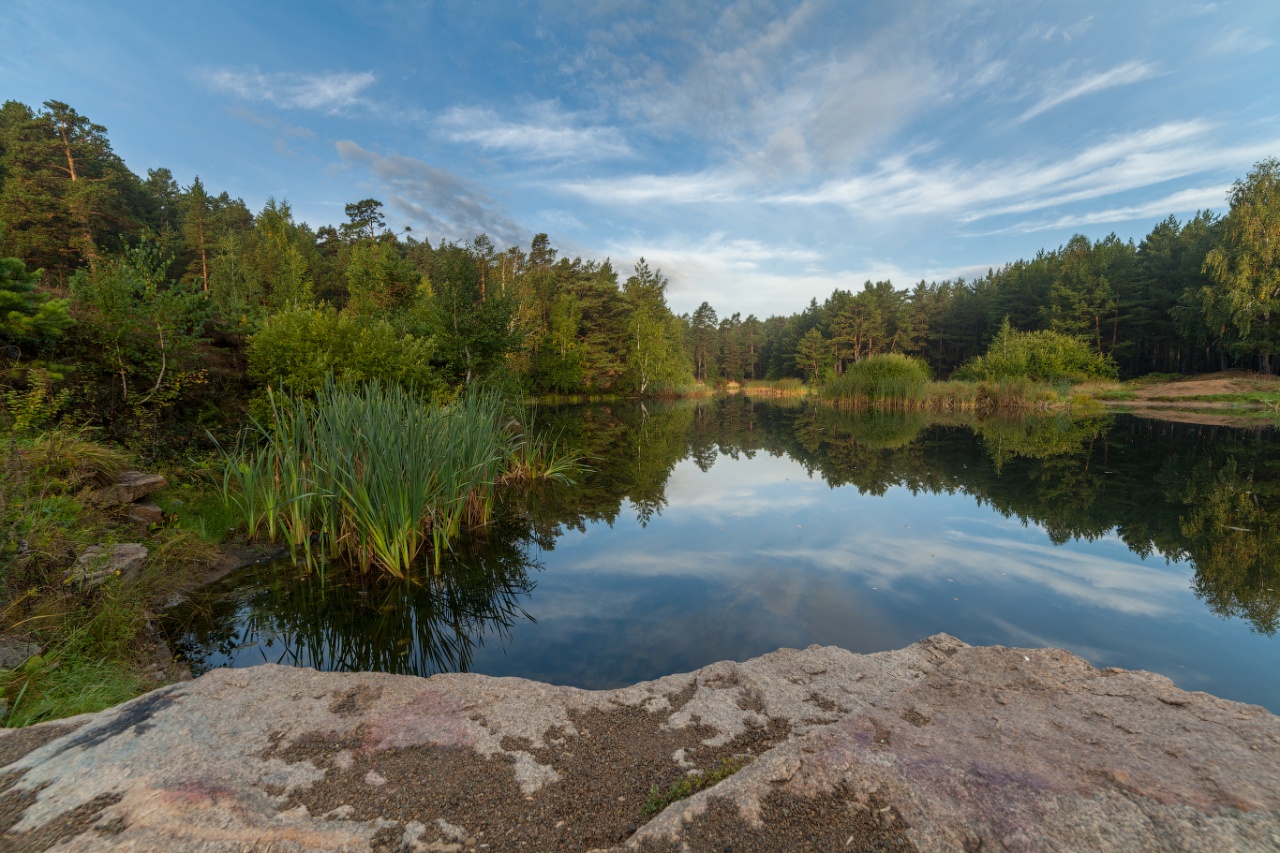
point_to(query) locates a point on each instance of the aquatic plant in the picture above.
(787, 387)
(373, 473)
(891, 379)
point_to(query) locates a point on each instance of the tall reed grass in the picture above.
(373, 474)
(787, 387)
(899, 382)
(890, 380)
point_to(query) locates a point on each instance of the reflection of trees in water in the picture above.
(345, 621)
(1208, 495)
(1231, 533)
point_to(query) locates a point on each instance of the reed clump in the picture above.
(786, 387)
(373, 474)
(891, 380)
(897, 382)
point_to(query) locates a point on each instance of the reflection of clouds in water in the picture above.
(643, 627)
(1127, 586)
(742, 488)
(882, 541)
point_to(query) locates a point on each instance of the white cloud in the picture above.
(692, 188)
(1091, 578)
(1239, 42)
(1122, 75)
(1119, 164)
(1183, 201)
(433, 197)
(272, 123)
(327, 91)
(547, 134)
(1067, 33)
(753, 277)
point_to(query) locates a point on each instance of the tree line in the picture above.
(1193, 296)
(133, 296)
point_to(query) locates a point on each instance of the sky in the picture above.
(759, 153)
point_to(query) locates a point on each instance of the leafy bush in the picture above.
(1037, 356)
(891, 377)
(298, 347)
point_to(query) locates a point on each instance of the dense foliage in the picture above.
(1043, 356)
(150, 299)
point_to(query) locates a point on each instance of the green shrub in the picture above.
(1036, 356)
(888, 378)
(299, 347)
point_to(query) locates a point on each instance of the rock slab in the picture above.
(128, 487)
(99, 562)
(936, 747)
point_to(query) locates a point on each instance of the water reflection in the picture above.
(727, 528)
(342, 620)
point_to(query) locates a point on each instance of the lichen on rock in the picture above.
(937, 746)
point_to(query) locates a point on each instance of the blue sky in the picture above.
(759, 153)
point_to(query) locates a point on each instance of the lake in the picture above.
(727, 528)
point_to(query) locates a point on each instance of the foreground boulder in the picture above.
(938, 746)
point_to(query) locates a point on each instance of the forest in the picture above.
(146, 305)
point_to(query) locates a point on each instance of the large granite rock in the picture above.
(938, 746)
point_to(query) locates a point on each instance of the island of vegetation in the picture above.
(353, 394)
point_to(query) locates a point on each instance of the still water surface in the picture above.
(725, 529)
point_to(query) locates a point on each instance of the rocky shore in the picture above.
(937, 746)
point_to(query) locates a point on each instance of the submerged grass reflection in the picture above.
(345, 620)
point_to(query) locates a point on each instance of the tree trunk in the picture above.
(204, 260)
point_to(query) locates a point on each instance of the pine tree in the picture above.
(26, 314)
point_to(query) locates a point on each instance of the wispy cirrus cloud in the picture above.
(271, 123)
(1239, 41)
(1203, 198)
(969, 193)
(544, 134)
(1122, 75)
(433, 197)
(328, 91)
(690, 188)
(746, 275)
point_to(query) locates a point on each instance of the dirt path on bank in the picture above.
(1225, 382)
(1177, 400)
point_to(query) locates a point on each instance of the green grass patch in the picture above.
(203, 510)
(788, 387)
(50, 688)
(92, 638)
(687, 786)
(1257, 398)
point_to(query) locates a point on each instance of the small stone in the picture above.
(128, 487)
(99, 563)
(14, 655)
(145, 513)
